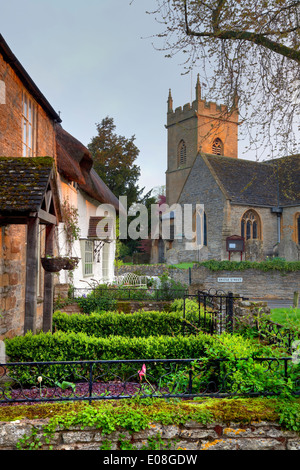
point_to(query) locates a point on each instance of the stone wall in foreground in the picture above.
(190, 436)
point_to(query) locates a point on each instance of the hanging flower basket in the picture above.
(53, 265)
(71, 263)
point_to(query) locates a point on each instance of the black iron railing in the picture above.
(215, 310)
(33, 382)
(131, 293)
(277, 334)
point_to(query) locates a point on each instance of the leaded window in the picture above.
(250, 225)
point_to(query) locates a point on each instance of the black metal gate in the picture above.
(215, 310)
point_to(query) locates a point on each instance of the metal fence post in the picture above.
(90, 382)
(230, 312)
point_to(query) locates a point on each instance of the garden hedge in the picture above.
(60, 346)
(121, 324)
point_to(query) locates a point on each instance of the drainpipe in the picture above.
(278, 228)
(278, 211)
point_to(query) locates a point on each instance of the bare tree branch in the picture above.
(249, 48)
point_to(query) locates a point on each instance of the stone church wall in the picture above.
(209, 194)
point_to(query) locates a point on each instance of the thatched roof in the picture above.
(75, 163)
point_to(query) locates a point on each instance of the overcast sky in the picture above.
(95, 59)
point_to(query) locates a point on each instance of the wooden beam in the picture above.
(48, 282)
(45, 217)
(31, 275)
(14, 220)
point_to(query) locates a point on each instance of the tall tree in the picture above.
(114, 160)
(248, 49)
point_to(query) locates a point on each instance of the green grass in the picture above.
(182, 265)
(286, 316)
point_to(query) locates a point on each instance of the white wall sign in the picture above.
(230, 279)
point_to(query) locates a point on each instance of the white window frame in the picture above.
(29, 111)
(87, 249)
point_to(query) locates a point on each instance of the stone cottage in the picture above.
(43, 167)
(248, 203)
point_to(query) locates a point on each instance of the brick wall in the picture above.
(11, 119)
(13, 238)
(12, 280)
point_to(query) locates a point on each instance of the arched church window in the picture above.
(250, 225)
(217, 147)
(181, 153)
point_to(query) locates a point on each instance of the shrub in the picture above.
(96, 301)
(74, 346)
(233, 374)
(274, 264)
(121, 324)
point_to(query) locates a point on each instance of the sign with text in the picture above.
(230, 279)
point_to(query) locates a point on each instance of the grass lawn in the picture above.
(183, 265)
(285, 316)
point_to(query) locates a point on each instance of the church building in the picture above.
(249, 210)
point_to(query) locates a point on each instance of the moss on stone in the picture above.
(223, 410)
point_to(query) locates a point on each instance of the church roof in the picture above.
(271, 183)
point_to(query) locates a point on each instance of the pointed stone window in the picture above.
(181, 153)
(251, 226)
(217, 147)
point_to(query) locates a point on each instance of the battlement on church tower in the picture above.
(200, 107)
(200, 126)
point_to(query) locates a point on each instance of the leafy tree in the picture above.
(247, 50)
(114, 160)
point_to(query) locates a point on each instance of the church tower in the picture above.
(198, 127)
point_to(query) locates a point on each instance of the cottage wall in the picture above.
(87, 207)
(11, 118)
(13, 237)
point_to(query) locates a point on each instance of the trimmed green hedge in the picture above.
(121, 324)
(275, 264)
(79, 347)
(74, 346)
